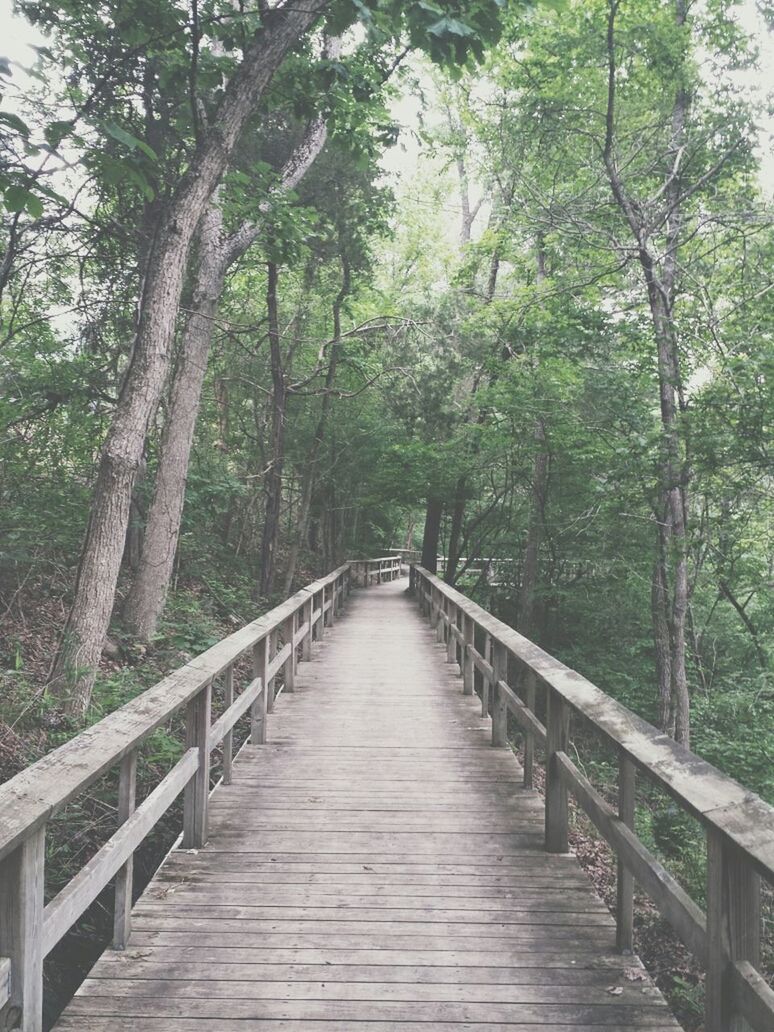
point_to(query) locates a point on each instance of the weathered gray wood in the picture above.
(467, 658)
(65, 908)
(672, 900)
(754, 998)
(228, 738)
(717, 800)
(499, 695)
(5, 981)
(224, 724)
(451, 626)
(524, 716)
(733, 931)
(289, 671)
(197, 789)
(557, 739)
(379, 840)
(278, 662)
(21, 924)
(306, 644)
(122, 907)
(531, 734)
(624, 911)
(29, 799)
(258, 719)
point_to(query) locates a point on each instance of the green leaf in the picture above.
(130, 141)
(34, 206)
(16, 198)
(15, 123)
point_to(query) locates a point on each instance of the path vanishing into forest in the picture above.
(378, 865)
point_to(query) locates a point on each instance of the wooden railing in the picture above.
(29, 927)
(375, 571)
(739, 826)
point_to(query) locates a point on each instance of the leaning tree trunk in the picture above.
(75, 665)
(660, 614)
(273, 480)
(147, 595)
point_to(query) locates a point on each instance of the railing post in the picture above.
(21, 931)
(451, 641)
(624, 913)
(306, 644)
(122, 907)
(468, 670)
(268, 683)
(499, 706)
(557, 737)
(228, 738)
(440, 627)
(733, 929)
(258, 710)
(197, 791)
(289, 668)
(485, 685)
(321, 621)
(529, 738)
(332, 610)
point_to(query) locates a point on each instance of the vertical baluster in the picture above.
(332, 610)
(468, 670)
(122, 908)
(485, 685)
(627, 786)
(733, 928)
(451, 641)
(499, 706)
(197, 791)
(258, 720)
(306, 644)
(289, 668)
(271, 652)
(228, 738)
(557, 737)
(321, 621)
(21, 929)
(529, 739)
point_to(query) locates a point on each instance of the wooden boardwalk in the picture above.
(377, 866)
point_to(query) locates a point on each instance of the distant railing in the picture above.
(30, 928)
(739, 826)
(374, 571)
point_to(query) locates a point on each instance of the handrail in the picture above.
(739, 825)
(29, 930)
(374, 571)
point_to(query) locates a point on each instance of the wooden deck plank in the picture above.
(377, 866)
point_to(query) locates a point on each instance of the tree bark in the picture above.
(147, 595)
(432, 533)
(77, 660)
(660, 614)
(527, 623)
(273, 477)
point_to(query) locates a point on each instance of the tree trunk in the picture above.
(432, 533)
(310, 472)
(146, 598)
(660, 613)
(75, 665)
(273, 480)
(527, 623)
(455, 530)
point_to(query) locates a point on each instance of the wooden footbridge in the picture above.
(374, 858)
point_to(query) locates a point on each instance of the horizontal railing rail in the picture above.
(508, 670)
(30, 928)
